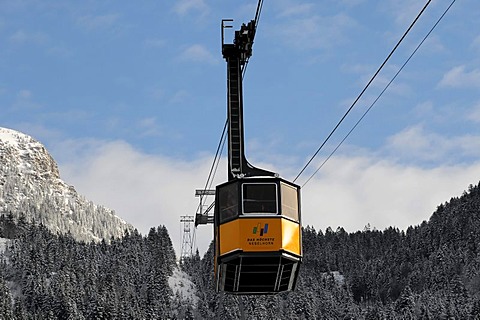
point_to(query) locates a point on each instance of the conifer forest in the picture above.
(429, 271)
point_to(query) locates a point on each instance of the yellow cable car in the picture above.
(257, 218)
(258, 245)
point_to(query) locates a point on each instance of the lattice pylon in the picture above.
(188, 237)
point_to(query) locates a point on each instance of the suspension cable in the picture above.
(216, 161)
(257, 20)
(382, 92)
(363, 91)
(259, 11)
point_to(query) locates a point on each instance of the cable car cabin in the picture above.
(258, 246)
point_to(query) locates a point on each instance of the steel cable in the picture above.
(382, 92)
(363, 91)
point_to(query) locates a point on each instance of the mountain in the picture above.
(31, 189)
(429, 271)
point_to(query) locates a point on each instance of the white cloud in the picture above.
(474, 114)
(91, 22)
(433, 44)
(415, 143)
(179, 96)
(314, 31)
(24, 94)
(425, 109)
(24, 101)
(476, 43)
(459, 77)
(198, 53)
(23, 37)
(149, 127)
(404, 11)
(184, 7)
(352, 3)
(124, 81)
(356, 191)
(366, 72)
(19, 36)
(145, 190)
(155, 43)
(289, 9)
(149, 190)
(156, 92)
(60, 51)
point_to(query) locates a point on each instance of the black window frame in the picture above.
(255, 212)
(228, 211)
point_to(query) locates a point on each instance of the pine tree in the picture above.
(6, 311)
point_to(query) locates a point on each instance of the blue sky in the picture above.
(129, 98)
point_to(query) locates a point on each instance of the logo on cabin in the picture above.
(258, 228)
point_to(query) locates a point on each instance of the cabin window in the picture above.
(228, 202)
(259, 198)
(289, 201)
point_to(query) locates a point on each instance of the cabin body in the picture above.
(258, 247)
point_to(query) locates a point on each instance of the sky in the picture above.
(129, 97)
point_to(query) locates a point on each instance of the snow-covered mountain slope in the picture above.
(30, 185)
(183, 287)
